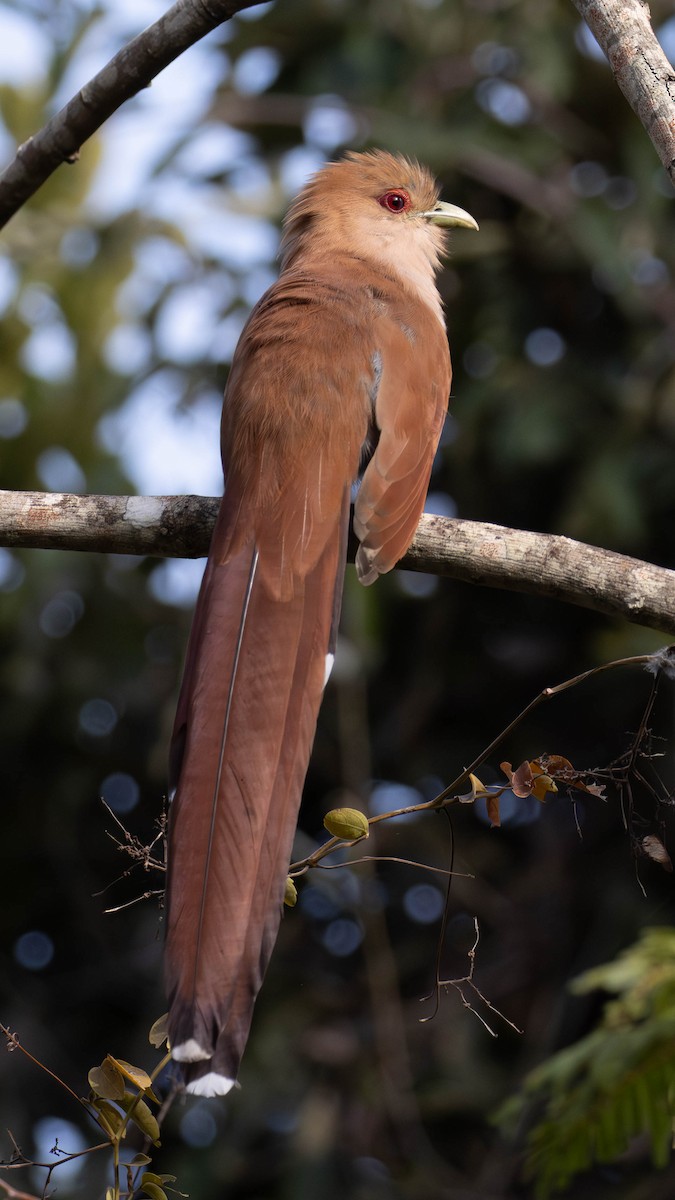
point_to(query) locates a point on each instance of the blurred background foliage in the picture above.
(123, 286)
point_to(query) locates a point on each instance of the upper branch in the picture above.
(490, 555)
(133, 68)
(641, 69)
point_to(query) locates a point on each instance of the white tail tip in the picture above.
(210, 1085)
(190, 1051)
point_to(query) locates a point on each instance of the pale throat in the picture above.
(413, 257)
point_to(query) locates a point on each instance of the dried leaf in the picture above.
(561, 769)
(159, 1031)
(652, 847)
(520, 780)
(555, 764)
(542, 782)
(347, 823)
(107, 1080)
(135, 1075)
(492, 805)
(478, 789)
(596, 789)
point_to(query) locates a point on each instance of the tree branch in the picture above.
(489, 555)
(132, 68)
(642, 71)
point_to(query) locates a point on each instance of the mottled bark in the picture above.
(641, 69)
(471, 551)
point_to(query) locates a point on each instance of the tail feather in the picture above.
(243, 737)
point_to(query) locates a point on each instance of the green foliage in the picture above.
(616, 1083)
(115, 1109)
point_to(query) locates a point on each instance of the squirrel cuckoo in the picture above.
(345, 359)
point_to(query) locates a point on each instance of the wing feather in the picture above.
(410, 408)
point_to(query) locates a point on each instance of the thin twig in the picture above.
(451, 794)
(132, 69)
(406, 862)
(468, 981)
(15, 1044)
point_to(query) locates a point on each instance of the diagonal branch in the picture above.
(132, 69)
(472, 551)
(640, 67)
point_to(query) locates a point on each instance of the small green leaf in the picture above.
(110, 1118)
(347, 823)
(106, 1081)
(290, 894)
(159, 1031)
(141, 1115)
(154, 1192)
(140, 1160)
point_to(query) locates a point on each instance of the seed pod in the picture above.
(347, 823)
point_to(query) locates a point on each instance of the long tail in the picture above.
(247, 712)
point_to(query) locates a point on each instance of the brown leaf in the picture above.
(596, 789)
(521, 780)
(159, 1031)
(561, 769)
(555, 764)
(492, 805)
(652, 847)
(542, 782)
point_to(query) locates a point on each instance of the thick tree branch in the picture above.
(133, 68)
(490, 555)
(641, 69)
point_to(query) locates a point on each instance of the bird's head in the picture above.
(379, 206)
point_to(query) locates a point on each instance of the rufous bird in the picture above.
(343, 362)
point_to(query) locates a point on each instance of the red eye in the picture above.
(395, 202)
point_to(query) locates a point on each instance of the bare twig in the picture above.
(467, 983)
(132, 69)
(471, 551)
(662, 661)
(640, 67)
(14, 1044)
(141, 855)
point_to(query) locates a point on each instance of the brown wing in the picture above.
(296, 414)
(410, 407)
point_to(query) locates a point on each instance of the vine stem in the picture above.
(661, 660)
